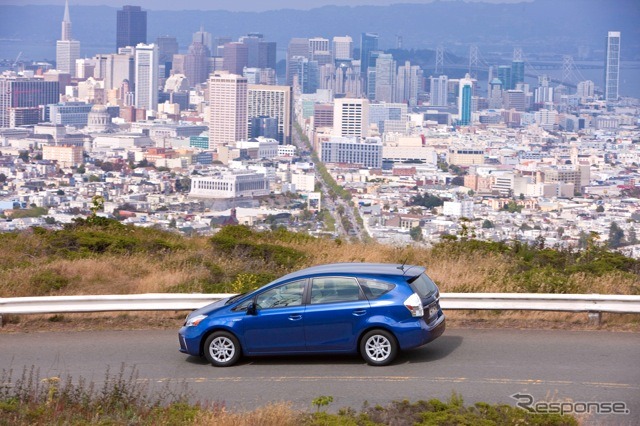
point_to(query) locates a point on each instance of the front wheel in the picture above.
(222, 349)
(378, 347)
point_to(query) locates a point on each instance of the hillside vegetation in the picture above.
(101, 256)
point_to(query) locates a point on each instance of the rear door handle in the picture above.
(295, 317)
(359, 312)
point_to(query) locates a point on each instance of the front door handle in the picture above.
(359, 312)
(295, 317)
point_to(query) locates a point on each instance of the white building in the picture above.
(228, 112)
(342, 47)
(351, 117)
(458, 208)
(304, 182)
(230, 184)
(146, 87)
(366, 152)
(286, 150)
(267, 148)
(67, 49)
(271, 101)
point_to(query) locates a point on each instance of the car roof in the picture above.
(389, 269)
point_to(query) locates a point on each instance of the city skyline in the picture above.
(245, 6)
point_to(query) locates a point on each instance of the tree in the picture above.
(24, 156)
(599, 209)
(416, 233)
(616, 235)
(457, 181)
(3, 177)
(633, 238)
(172, 223)
(487, 224)
(81, 169)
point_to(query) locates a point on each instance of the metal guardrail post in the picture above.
(595, 318)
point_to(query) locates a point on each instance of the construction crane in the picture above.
(16, 61)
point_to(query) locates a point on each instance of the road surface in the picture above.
(481, 365)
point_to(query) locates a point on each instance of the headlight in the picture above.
(193, 321)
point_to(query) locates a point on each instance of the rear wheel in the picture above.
(378, 347)
(222, 349)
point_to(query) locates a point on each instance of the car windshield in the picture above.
(423, 285)
(234, 298)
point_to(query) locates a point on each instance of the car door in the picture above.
(278, 324)
(336, 311)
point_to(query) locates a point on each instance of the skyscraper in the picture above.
(385, 78)
(196, 63)
(67, 49)
(228, 109)
(504, 74)
(517, 73)
(439, 90)
(408, 85)
(307, 73)
(464, 100)
(297, 47)
(612, 67)
(368, 43)
(236, 57)
(342, 47)
(203, 37)
(275, 102)
(131, 26)
(146, 86)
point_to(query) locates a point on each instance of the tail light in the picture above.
(414, 305)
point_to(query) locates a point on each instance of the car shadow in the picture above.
(433, 351)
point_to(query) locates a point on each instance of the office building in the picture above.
(146, 79)
(351, 117)
(322, 116)
(75, 113)
(22, 99)
(409, 80)
(274, 102)
(131, 27)
(167, 47)
(236, 57)
(385, 88)
(504, 75)
(318, 46)
(267, 54)
(67, 49)
(196, 63)
(228, 116)
(342, 48)
(64, 155)
(298, 47)
(230, 184)
(585, 89)
(464, 100)
(517, 73)
(119, 67)
(389, 117)
(305, 72)
(439, 90)
(366, 152)
(203, 37)
(612, 67)
(368, 44)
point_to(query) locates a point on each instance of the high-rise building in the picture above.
(204, 38)
(385, 78)
(368, 44)
(146, 80)
(318, 45)
(306, 72)
(196, 63)
(585, 89)
(298, 47)
(439, 90)
(267, 54)
(167, 47)
(504, 74)
(228, 109)
(252, 41)
(119, 67)
(67, 49)
(131, 26)
(351, 117)
(271, 101)
(342, 47)
(464, 100)
(517, 73)
(236, 57)
(408, 85)
(612, 67)
(22, 99)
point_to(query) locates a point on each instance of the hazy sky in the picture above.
(234, 5)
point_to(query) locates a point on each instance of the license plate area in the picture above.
(433, 310)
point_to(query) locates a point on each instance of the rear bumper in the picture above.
(425, 333)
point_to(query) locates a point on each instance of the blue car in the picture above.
(372, 309)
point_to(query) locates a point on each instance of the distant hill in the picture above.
(538, 26)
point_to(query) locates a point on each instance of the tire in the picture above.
(378, 347)
(222, 349)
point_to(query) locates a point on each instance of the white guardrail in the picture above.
(595, 304)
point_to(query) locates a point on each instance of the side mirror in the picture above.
(252, 309)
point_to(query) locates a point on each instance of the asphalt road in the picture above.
(481, 365)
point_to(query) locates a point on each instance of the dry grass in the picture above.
(276, 414)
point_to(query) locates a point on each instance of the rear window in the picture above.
(375, 288)
(423, 285)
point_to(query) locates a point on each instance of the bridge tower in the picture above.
(473, 61)
(439, 60)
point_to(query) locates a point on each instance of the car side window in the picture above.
(375, 288)
(285, 295)
(334, 289)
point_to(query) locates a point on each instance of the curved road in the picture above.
(481, 365)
